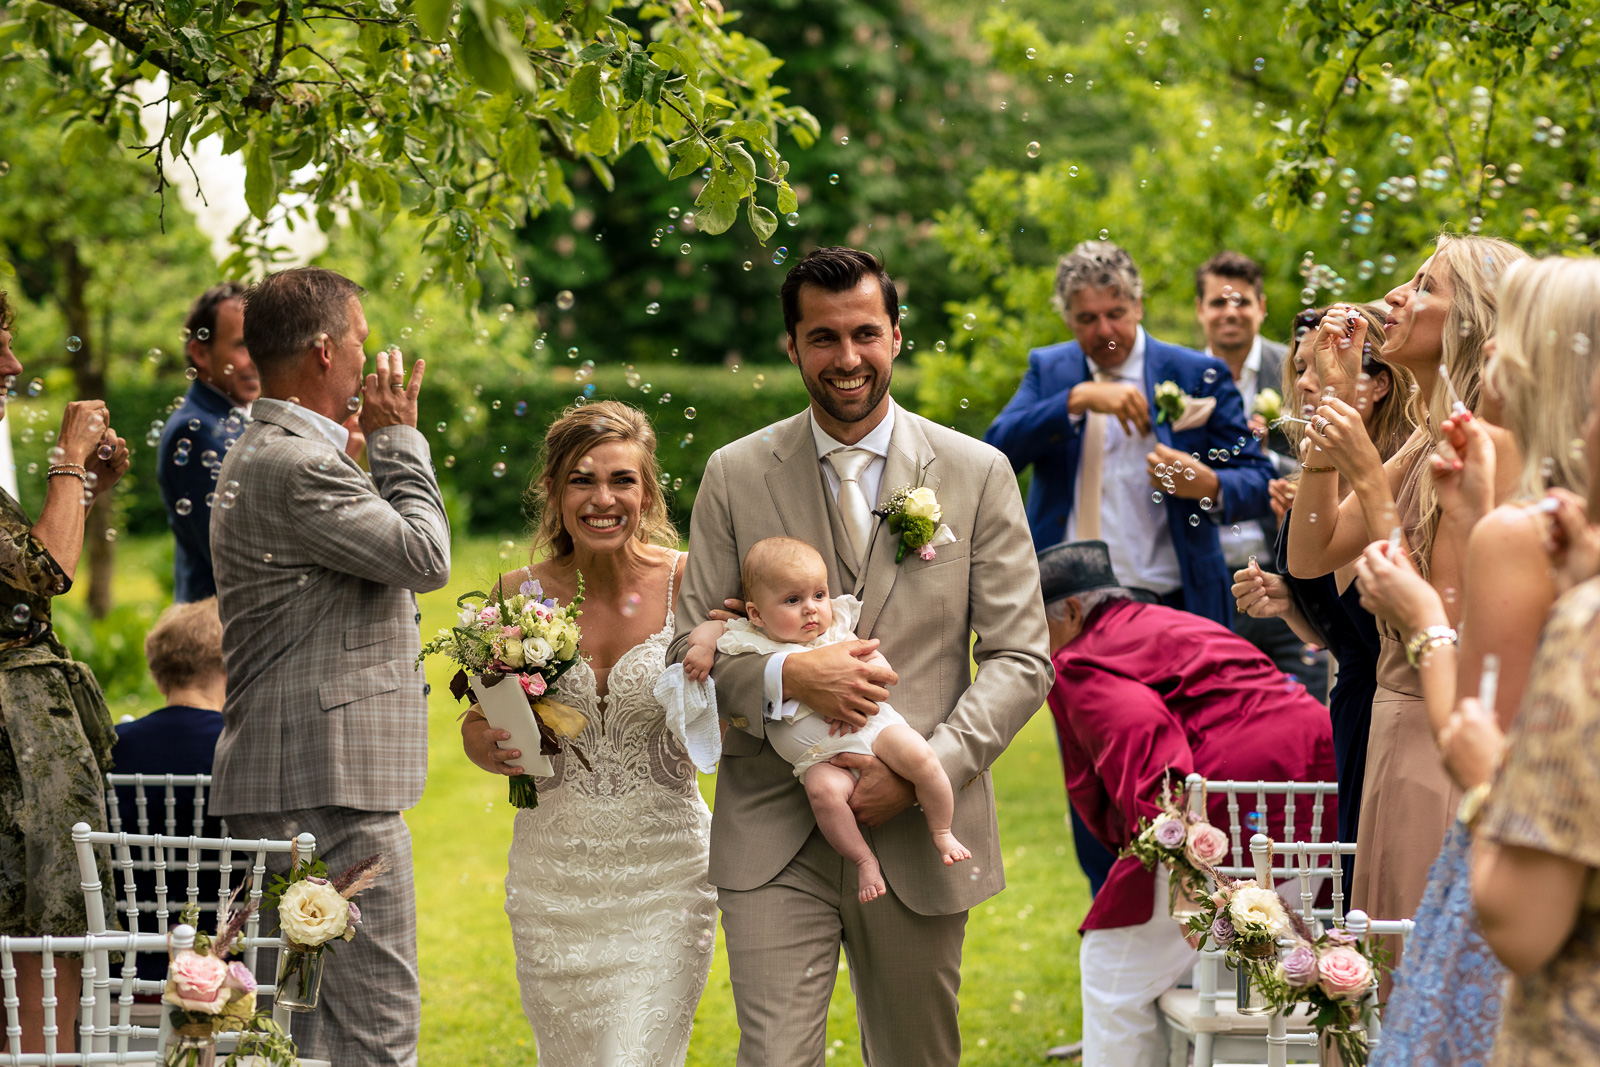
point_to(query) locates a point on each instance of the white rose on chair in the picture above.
(1254, 910)
(313, 913)
(921, 503)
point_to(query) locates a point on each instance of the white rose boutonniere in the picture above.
(1269, 405)
(1170, 401)
(915, 514)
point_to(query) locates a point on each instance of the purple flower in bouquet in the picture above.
(240, 978)
(1300, 966)
(530, 588)
(355, 914)
(1171, 833)
(1222, 932)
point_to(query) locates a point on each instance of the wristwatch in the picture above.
(1426, 640)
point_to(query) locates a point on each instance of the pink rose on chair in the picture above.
(1345, 973)
(195, 983)
(240, 978)
(1207, 845)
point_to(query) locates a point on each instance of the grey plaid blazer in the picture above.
(316, 564)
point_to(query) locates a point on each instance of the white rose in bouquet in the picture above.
(921, 503)
(536, 651)
(1254, 910)
(313, 913)
(510, 651)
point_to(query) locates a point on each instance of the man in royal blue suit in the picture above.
(1154, 480)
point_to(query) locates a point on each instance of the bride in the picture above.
(611, 914)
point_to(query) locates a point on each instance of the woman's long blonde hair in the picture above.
(580, 430)
(1546, 351)
(1474, 266)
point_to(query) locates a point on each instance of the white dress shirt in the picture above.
(326, 426)
(1251, 539)
(1132, 523)
(871, 480)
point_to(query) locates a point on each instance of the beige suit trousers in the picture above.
(788, 934)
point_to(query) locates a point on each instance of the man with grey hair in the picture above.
(325, 726)
(1144, 696)
(1110, 460)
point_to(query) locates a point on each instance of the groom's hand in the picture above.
(880, 793)
(839, 681)
(386, 400)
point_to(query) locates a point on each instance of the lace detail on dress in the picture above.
(612, 917)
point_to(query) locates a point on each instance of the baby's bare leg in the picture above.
(829, 788)
(909, 755)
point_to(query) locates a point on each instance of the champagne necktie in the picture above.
(848, 463)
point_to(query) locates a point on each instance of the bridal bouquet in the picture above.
(1333, 974)
(1188, 846)
(532, 639)
(313, 912)
(208, 994)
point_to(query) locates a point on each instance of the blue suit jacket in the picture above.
(202, 420)
(1035, 429)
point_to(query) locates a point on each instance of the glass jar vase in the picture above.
(299, 979)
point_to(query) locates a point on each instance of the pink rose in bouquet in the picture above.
(1300, 966)
(1207, 846)
(240, 978)
(532, 684)
(196, 983)
(1345, 974)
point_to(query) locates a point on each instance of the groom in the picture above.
(787, 899)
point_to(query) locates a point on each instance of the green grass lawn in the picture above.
(1019, 990)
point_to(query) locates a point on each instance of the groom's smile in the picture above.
(845, 344)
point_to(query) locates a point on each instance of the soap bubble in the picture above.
(565, 300)
(779, 256)
(1033, 147)
(20, 614)
(498, 470)
(74, 344)
(183, 506)
(685, 248)
(689, 413)
(652, 308)
(833, 179)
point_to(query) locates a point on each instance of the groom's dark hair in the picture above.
(837, 270)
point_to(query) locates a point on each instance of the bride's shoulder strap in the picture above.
(675, 578)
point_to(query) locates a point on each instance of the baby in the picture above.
(786, 594)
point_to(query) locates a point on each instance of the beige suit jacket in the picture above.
(925, 613)
(316, 564)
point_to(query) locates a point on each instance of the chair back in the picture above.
(252, 868)
(1310, 866)
(176, 810)
(95, 949)
(1248, 806)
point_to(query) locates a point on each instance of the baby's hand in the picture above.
(697, 663)
(838, 728)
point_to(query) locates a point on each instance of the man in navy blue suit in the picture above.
(1135, 442)
(212, 415)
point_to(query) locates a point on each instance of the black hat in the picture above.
(1075, 567)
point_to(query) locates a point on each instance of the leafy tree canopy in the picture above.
(460, 115)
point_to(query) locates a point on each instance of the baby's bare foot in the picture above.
(870, 877)
(954, 851)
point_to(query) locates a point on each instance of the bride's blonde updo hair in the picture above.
(580, 430)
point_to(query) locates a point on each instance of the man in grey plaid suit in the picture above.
(326, 722)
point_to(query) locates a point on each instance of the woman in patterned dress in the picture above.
(55, 730)
(611, 914)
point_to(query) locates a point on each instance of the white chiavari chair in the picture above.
(251, 865)
(156, 802)
(94, 948)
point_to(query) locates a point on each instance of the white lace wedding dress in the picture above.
(612, 917)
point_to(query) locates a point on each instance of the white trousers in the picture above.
(1123, 971)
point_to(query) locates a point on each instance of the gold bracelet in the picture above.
(1318, 470)
(1426, 640)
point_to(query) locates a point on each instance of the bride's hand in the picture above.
(478, 740)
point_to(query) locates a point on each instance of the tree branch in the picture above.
(277, 41)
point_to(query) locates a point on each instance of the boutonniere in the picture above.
(1269, 405)
(1170, 401)
(914, 514)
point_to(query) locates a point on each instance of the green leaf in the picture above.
(787, 201)
(679, 58)
(583, 95)
(433, 16)
(762, 221)
(717, 206)
(596, 51)
(552, 9)
(692, 155)
(741, 161)
(603, 133)
(519, 152)
(480, 59)
(260, 183)
(179, 12)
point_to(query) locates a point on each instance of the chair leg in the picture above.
(1203, 1044)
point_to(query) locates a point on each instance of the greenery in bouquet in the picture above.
(1188, 845)
(209, 994)
(314, 910)
(527, 636)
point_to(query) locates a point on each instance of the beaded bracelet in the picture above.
(80, 473)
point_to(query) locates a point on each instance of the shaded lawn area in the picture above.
(1019, 990)
(1019, 986)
